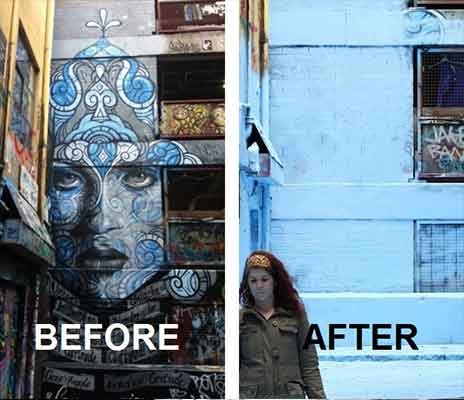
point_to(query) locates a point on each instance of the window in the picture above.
(440, 263)
(23, 90)
(195, 215)
(192, 97)
(190, 15)
(438, 3)
(195, 193)
(440, 114)
(192, 109)
(191, 78)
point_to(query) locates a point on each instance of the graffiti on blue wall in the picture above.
(424, 25)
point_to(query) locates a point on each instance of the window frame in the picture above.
(32, 83)
(426, 116)
(194, 28)
(438, 4)
(194, 217)
(417, 251)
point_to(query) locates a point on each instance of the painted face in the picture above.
(108, 222)
(261, 284)
(107, 214)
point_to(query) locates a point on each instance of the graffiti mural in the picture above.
(194, 120)
(202, 335)
(112, 230)
(167, 383)
(442, 148)
(196, 242)
(106, 198)
(9, 319)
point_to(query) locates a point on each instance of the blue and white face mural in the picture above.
(107, 198)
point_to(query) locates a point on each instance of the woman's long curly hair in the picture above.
(285, 295)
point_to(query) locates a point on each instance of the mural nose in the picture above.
(102, 220)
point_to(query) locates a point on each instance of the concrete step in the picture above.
(403, 379)
(450, 352)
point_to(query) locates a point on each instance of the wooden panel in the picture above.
(202, 119)
(175, 16)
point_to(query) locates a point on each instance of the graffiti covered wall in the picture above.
(112, 232)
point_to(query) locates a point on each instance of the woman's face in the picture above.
(261, 284)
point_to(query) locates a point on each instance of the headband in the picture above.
(258, 260)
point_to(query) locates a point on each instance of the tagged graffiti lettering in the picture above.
(114, 383)
(63, 378)
(180, 46)
(444, 146)
(85, 356)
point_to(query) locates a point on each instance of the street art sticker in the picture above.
(167, 383)
(442, 149)
(29, 188)
(115, 384)
(59, 384)
(9, 300)
(196, 242)
(201, 335)
(192, 119)
(75, 381)
(84, 356)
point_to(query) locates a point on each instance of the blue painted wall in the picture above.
(341, 117)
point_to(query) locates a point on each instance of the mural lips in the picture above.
(102, 258)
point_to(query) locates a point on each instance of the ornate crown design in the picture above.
(258, 260)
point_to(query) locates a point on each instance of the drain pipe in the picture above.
(266, 217)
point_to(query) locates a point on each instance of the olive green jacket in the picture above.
(273, 363)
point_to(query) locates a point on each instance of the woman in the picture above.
(273, 329)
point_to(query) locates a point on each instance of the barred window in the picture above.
(440, 114)
(440, 264)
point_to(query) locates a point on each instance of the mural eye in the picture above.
(65, 180)
(139, 178)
